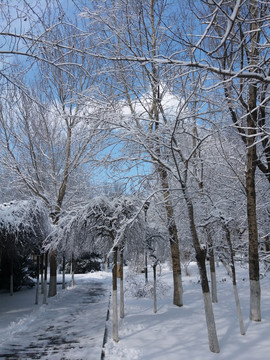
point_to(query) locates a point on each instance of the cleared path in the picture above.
(70, 327)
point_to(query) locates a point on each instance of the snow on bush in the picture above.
(135, 286)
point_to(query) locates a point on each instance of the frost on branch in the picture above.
(98, 226)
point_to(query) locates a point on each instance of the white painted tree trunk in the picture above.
(201, 257)
(233, 275)
(255, 296)
(239, 312)
(210, 321)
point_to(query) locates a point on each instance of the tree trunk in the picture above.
(72, 270)
(235, 291)
(106, 263)
(53, 277)
(238, 308)
(177, 277)
(37, 279)
(201, 257)
(45, 279)
(64, 273)
(41, 273)
(212, 269)
(254, 271)
(114, 286)
(155, 287)
(209, 314)
(174, 242)
(122, 311)
(145, 264)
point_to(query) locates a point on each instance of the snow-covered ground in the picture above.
(180, 333)
(77, 326)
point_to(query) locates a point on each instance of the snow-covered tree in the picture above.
(24, 225)
(103, 226)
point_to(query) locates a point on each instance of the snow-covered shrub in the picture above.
(135, 286)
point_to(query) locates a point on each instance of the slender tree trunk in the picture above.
(201, 258)
(41, 273)
(212, 269)
(122, 303)
(64, 273)
(45, 279)
(72, 270)
(145, 264)
(235, 291)
(254, 271)
(106, 263)
(177, 277)
(209, 314)
(155, 287)
(174, 242)
(53, 275)
(114, 286)
(37, 279)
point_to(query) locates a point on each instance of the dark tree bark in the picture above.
(212, 268)
(41, 273)
(64, 272)
(254, 271)
(53, 276)
(114, 286)
(37, 278)
(174, 242)
(121, 269)
(45, 279)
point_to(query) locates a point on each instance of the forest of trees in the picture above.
(137, 124)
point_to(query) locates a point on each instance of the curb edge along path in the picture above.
(70, 327)
(105, 336)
